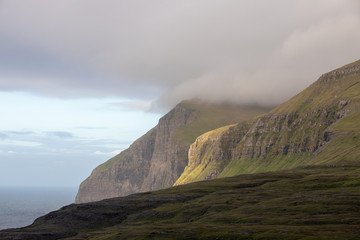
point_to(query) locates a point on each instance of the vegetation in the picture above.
(318, 126)
(310, 202)
(212, 116)
(305, 182)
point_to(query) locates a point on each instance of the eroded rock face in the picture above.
(157, 159)
(288, 136)
(153, 162)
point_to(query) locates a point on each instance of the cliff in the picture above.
(318, 126)
(157, 159)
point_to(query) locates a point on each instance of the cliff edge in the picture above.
(157, 159)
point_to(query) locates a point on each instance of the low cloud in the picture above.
(90, 128)
(24, 132)
(60, 134)
(22, 143)
(162, 51)
(132, 105)
(3, 136)
(112, 153)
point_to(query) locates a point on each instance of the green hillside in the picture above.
(321, 125)
(211, 116)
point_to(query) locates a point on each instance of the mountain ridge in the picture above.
(292, 134)
(157, 159)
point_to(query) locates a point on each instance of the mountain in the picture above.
(320, 202)
(316, 134)
(321, 125)
(157, 159)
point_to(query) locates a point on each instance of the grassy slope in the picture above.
(343, 147)
(321, 202)
(213, 116)
(310, 203)
(198, 170)
(323, 95)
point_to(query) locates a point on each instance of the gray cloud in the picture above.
(166, 51)
(132, 105)
(3, 136)
(60, 134)
(90, 128)
(24, 132)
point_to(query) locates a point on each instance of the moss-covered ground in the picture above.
(306, 203)
(309, 202)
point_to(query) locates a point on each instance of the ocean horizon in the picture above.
(20, 206)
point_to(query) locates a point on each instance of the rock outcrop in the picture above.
(318, 126)
(157, 159)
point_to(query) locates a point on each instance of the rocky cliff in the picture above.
(318, 126)
(157, 159)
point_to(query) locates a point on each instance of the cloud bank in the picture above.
(250, 51)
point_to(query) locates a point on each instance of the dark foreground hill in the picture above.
(321, 202)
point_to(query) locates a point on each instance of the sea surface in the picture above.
(20, 206)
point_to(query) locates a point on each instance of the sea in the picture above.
(20, 206)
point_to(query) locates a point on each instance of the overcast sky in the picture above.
(97, 74)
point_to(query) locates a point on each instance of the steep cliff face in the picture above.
(320, 125)
(157, 159)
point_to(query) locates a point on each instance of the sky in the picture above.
(81, 80)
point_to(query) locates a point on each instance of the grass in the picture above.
(308, 202)
(213, 116)
(279, 162)
(324, 92)
(320, 125)
(201, 163)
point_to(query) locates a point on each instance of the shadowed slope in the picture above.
(306, 203)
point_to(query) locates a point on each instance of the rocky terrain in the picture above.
(157, 159)
(318, 126)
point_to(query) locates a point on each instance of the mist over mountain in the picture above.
(163, 52)
(81, 80)
(302, 181)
